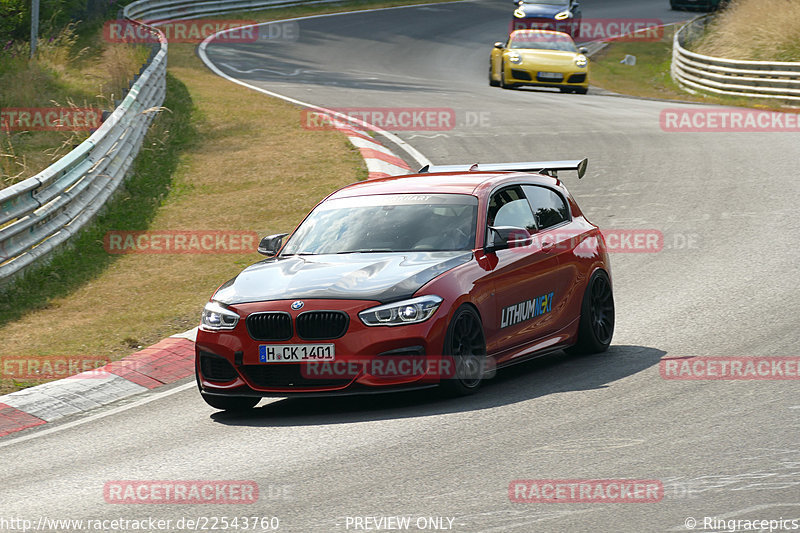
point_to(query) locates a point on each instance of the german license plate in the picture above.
(555, 76)
(295, 353)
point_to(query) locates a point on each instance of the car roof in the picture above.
(472, 183)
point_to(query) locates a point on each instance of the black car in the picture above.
(557, 15)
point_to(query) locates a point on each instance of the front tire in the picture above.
(492, 81)
(466, 344)
(503, 83)
(596, 326)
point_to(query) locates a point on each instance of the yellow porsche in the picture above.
(540, 58)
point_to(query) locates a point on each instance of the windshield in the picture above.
(387, 223)
(542, 41)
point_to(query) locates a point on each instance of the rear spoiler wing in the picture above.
(549, 168)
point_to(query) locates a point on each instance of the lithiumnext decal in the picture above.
(527, 310)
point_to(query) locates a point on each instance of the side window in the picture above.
(509, 207)
(548, 206)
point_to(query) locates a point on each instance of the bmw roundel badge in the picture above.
(297, 305)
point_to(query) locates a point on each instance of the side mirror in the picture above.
(499, 44)
(271, 245)
(502, 237)
(583, 50)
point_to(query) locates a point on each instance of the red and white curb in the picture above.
(165, 362)
(381, 162)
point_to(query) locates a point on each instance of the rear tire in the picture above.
(466, 344)
(596, 326)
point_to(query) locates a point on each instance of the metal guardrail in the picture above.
(755, 79)
(40, 214)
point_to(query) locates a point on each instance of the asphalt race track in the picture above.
(724, 284)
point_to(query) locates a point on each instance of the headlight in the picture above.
(563, 15)
(519, 13)
(515, 58)
(411, 311)
(215, 317)
(581, 61)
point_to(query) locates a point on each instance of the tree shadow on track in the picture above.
(538, 378)
(250, 64)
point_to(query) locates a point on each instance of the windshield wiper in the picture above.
(366, 251)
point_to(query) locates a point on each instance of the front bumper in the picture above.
(227, 362)
(534, 75)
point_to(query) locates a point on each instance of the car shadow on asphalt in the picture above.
(551, 374)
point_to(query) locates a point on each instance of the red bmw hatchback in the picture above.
(431, 279)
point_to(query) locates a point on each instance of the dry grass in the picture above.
(67, 72)
(761, 30)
